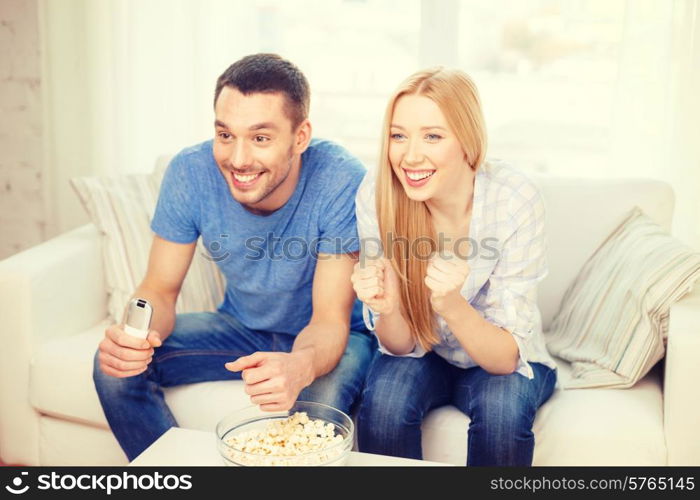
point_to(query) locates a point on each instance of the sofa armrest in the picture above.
(681, 378)
(51, 290)
(58, 285)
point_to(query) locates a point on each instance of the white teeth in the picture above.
(245, 178)
(416, 176)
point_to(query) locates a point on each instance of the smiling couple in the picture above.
(446, 329)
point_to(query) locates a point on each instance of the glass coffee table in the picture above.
(187, 447)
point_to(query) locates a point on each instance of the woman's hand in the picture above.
(445, 277)
(377, 285)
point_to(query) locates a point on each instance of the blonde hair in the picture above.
(403, 219)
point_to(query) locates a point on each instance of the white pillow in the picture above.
(614, 317)
(122, 208)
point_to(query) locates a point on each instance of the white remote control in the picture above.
(137, 319)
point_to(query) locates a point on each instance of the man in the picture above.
(279, 207)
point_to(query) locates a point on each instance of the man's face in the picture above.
(256, 148)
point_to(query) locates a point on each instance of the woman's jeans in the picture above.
(196, 351)
(399, 392)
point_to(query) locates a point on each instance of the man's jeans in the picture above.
(196, 351)
(399, 392)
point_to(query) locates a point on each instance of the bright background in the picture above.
(579, 88)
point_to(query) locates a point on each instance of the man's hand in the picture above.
(274, 380)
(377, 285)
(445, 277)
(123, 355)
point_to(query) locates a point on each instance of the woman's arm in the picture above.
(491, 347)
(377, 286)
(375, 280)
(496, 326)
(394, 333)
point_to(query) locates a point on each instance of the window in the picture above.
(547, 72)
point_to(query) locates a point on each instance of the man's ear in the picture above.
(302, 136)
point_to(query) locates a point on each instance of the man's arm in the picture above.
(273, 379)
(324, 339)
(122, 355)
(168, 264)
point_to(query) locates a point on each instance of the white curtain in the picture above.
(657, 104)
(129, 80)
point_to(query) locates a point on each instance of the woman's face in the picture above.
(424, 153)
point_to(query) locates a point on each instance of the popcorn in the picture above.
(295, 440)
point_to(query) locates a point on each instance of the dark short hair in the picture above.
(269, 73)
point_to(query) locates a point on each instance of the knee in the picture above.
(357, 357)
(388, 406)
(98, 376)
(103, 382)
(107, 385)
(327, 392)
(342, 386)
(503, 409)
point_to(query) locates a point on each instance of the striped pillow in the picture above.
(122, 207)
(613, 319)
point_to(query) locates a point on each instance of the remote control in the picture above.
(137, 320)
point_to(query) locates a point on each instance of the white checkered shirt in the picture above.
(507, 226)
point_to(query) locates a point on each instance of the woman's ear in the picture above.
(466, 160)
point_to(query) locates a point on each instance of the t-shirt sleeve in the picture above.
(338, 225)
(371, 248)
(368, 231)
(511, 298)
(366, 214)
(175, 217)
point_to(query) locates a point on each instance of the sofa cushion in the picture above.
(60, 377)
(67, 443)
(603, 426)
(580, 214)
(121, 207)
(61, 385)
(583, 427)
(614, 317)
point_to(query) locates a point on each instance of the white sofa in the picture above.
(53, 314)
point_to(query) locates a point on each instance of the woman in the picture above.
(451, 290)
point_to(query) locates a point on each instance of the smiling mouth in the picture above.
(245, 180)
(417, 178)
(246, 177)
(419, 175)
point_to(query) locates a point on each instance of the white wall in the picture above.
(102, 87)
(68, 118)
(22, 194)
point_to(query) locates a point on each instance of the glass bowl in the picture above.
(252, 418)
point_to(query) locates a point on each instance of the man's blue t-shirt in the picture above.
(268, 260)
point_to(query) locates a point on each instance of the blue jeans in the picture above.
(399, 392)
(196, 351)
